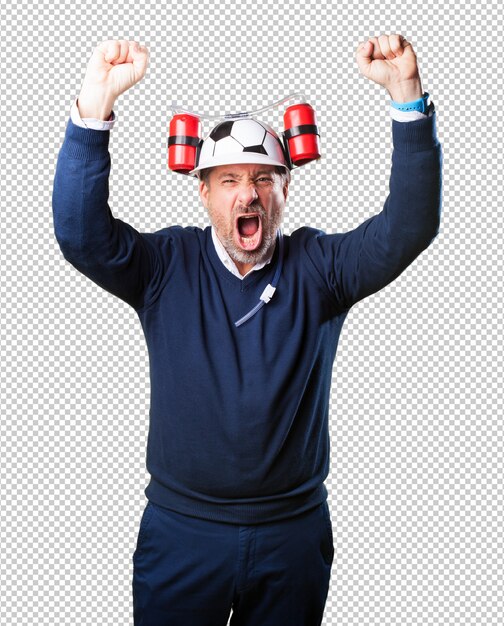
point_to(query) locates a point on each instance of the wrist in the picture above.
(96, 106)
(406, 91)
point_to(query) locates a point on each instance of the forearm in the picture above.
(410, 218)
(414, 203)
(82, 219)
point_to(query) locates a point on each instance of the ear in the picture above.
(286, 190)
(203, 191)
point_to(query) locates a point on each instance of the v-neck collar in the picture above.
(228, 262)
(250, 279)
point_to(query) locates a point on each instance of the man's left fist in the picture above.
(390, 61)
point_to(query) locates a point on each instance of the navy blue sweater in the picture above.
(239, 416)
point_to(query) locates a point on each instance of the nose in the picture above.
(247, 194)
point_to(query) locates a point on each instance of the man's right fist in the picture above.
(114, 67)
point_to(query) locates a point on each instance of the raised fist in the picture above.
(114, 67)
(390, 61)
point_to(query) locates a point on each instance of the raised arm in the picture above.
(104, 248)
(362, 261)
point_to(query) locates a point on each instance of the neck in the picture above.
(243, 268)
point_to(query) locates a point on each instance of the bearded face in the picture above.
(245, 204)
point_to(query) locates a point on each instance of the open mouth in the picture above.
(249, 231)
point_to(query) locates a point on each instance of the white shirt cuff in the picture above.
(90, 122)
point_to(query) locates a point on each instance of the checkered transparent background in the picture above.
(416, 485)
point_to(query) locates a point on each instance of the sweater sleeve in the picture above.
(110, 252)
(360, 262)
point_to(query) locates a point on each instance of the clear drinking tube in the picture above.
(178, 109)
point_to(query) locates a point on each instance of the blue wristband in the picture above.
(416, 105)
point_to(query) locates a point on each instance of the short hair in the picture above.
(283, 172)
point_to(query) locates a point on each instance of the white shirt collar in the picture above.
(230, 264)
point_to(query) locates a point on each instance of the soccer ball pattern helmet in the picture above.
(238, 141)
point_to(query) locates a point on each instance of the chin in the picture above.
(250, 257)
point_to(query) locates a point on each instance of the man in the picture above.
(238, 446)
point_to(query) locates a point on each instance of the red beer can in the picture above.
(301, 133)
(183, 142)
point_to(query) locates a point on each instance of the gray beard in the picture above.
(268, 241)
(253, 256)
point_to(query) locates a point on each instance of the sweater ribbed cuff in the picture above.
(85, 143)
(415, 136)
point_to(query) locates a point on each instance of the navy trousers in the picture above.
(193, 572)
